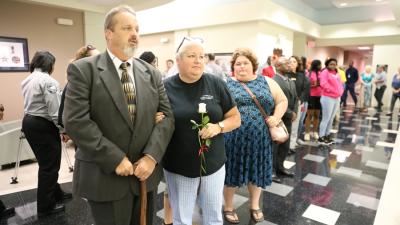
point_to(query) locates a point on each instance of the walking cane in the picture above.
(143, 202)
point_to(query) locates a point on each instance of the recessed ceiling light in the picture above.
(363, 48)
(378, 0)
(343, 4)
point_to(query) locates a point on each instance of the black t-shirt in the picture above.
(182, 156)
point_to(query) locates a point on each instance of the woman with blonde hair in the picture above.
(366, 82)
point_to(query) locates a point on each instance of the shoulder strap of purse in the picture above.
(255, 100)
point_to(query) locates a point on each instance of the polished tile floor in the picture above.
(337, 184)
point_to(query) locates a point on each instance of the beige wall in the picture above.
(94, 30)
(323, 53)
(163, 51)
(260, 36)
(37, 24)
(299, 44)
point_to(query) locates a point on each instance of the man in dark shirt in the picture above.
(289, 88)
(352, 78)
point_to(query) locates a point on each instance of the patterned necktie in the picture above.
(129, 91)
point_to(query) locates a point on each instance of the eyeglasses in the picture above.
(190, 39)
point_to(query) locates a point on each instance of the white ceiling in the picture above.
(100, 5)
(324, 12)
(327, 12)
(333, 4)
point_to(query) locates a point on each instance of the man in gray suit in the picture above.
(110, 108)
(289, 88)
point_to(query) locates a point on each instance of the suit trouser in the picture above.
(282, 150)
(44, 138)
(301, 117)
(2, 206)
(125, 211)
(379, 95)
(349, 87)
(394, 98)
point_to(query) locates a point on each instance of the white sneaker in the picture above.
(300, 142)
(307, 136)
(316, 136)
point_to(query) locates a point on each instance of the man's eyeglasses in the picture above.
(190, 39)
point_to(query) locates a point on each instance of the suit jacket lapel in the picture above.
(109, 76)
(141, 81)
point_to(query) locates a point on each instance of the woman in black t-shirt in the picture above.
(182, 162)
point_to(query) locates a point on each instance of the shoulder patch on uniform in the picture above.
(51, 88)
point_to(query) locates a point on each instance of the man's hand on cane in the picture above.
(144, 167)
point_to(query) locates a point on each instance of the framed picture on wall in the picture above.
(14, 54)
(224, 61)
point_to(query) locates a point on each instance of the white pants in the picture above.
(183, 193)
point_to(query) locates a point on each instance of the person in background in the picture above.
(303, 92)
(342, 74)
(289, 89)
(83, 52)
(270, 70)
(213, 68)
(352, 78)
(331, 91)
(1, 112)
(4, 211)
(186, 180)
(169, 63)
(314, 103)
(380, 83)
(40, 125)
(224, 67)
(249, 148)
(395, 91)
(366, 80)
(110, 105)
(266, 64)
(150, 58)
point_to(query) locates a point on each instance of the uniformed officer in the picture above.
(41, 102)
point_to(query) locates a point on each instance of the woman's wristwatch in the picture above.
(221, 125)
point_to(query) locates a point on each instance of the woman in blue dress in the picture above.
(249, 148)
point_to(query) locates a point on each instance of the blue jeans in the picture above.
(182, 192)
(301, 119)
(367, 96)
(329, 107)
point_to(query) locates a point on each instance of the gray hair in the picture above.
(109, 21)
(186, 42)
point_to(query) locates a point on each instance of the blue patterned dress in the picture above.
(249, 147)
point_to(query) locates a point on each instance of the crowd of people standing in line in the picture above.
(131, 124)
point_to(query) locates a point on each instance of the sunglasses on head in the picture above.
(189, 39)
(90, 47)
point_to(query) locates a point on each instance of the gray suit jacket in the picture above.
(289, 89)
(96, 118)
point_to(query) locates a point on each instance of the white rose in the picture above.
(202, 108)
